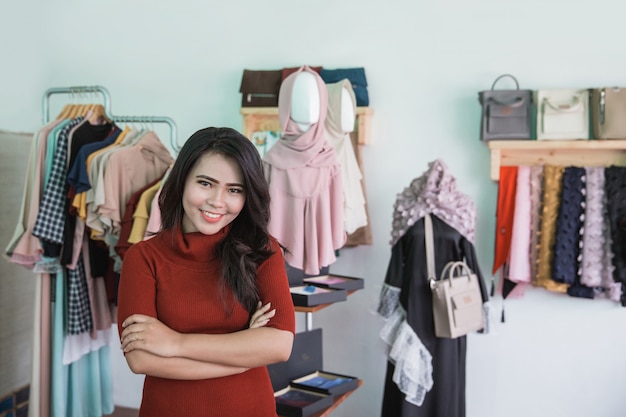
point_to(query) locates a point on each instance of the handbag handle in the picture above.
(503, 76)
(451, 267)
(575, 104)
(430, 249)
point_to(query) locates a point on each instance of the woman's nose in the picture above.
(216, 197)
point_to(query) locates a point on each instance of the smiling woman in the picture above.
(223, 309)
(214, 194)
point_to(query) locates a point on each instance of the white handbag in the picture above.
(563, 114)
(457, 300)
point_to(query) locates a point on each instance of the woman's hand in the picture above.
(261, 316)
(149, 334)
(146, 333)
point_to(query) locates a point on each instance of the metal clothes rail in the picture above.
(81, 90)
(150, 120)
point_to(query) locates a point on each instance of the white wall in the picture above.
(425, 62)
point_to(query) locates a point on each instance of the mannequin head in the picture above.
(305, 101)
(347, 111)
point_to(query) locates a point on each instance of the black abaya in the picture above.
(407, 271)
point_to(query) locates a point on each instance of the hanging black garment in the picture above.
(407, 271)
(568, 224)
(615, 189)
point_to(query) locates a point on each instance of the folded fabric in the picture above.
(356, 77)
(286, 72)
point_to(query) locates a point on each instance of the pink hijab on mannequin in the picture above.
(297, 148)
(304, 177)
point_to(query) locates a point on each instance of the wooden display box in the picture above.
(337, 282)
(297, 402)
(326, 383)
(312, 295)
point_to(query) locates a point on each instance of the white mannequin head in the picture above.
(305, 101)
(347, 111)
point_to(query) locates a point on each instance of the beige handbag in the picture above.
(608, 108)
(457, 301)
(563, 114)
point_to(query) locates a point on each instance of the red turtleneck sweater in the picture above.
(175, 278)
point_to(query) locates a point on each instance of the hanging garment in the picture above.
(504, 215)
(536, 207)
(128, 170)
(141, 215)
(50, 219)
(615, 186)
(425, 374)
(363, 235)
(127, 222)
(353, 199)
(304, 178)
(519, 256)
(568, 224)
(516, 271)
(25, 249)
(550, 209)
(596, 270)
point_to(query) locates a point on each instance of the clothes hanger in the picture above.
(98, 115)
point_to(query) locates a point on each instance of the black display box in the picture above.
(294, 399)
(312, 295)
(326, 383)
(337, 282)
(296, 402)
(306, 357)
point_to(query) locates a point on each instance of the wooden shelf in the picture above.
(336, 401)
(266, 118)
(558, 152)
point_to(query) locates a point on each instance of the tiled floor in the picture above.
(125, 412)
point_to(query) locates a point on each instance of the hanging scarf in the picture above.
(434, 192)
(507, 189)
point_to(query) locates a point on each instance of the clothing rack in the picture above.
(150, 120)
(80, 90)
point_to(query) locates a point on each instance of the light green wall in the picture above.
(425, 63)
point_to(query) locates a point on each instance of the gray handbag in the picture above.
(506, 114)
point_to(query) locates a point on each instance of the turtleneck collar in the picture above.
(192, 248)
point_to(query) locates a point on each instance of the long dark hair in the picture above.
(246, 245)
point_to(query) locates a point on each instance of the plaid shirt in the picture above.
(51, 216)
(78, 305)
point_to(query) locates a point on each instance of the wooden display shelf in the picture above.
(558, 152)
(336, 401)
(266, 118)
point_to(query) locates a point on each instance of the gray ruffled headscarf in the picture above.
(434, 192)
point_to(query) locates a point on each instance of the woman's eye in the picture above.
(236, 190)
(204, 183)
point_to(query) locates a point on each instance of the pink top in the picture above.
(519, 255)
(304, 177)
(128, 170)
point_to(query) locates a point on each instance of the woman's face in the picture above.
(214, 194)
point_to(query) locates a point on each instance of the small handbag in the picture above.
(356, 76)
(563, 114)
(259, 88)
(608, 108)
(506, 114)
(457, 300)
